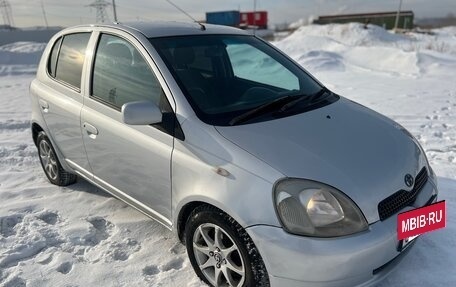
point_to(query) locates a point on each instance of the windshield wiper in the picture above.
(310, 99)
(284, 102)
(262, 109)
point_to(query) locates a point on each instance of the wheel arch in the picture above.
(187, 209)
(184, 214)
(36, 129)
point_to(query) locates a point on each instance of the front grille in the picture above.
(392, 204)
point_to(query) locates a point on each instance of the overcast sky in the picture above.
(66, 12)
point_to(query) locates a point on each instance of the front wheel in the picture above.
(221, 251)
(50, 163)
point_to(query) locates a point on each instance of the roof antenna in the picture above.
(203, 28)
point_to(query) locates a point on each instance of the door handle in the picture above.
(44, 105)
(91, 130)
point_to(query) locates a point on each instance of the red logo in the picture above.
(421, 220)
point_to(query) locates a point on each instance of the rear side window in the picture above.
(52, 64)
(122, 75)
(70, 59)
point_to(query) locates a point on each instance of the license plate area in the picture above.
(404, 243)
(413, 223)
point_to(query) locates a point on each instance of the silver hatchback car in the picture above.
(265, 175)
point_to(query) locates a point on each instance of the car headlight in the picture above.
(310, 208)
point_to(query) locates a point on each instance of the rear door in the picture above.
(132, 162)
(60, 98)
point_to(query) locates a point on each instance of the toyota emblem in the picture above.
(408, 179)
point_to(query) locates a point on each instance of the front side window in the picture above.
(71, 59)
(242, 79)
(122, 75)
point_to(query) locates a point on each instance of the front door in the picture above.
(132, 162)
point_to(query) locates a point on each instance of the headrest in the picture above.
(119, 51)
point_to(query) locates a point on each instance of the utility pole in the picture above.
(254, 13)
(100, 8)
(7, 13)
(44, 14)
(114, 10)
(398, 15)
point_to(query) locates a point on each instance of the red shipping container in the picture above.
(258, 19)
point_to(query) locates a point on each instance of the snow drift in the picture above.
(351, 46)
(20, 58)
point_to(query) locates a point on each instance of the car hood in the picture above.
(344, 144)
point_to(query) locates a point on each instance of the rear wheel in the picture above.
(221, 251)
(50, 163)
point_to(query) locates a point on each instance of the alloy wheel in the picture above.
(48, 160)
(218, 256)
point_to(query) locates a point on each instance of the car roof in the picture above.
(155, 29)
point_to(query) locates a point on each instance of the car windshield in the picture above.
(229, 79)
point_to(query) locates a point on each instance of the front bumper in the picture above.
(350, 261)
(362, 259)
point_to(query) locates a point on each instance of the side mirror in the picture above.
(141, 113)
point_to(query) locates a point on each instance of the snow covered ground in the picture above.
(81, 236)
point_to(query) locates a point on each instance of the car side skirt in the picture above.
(120, 195)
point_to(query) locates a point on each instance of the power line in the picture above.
(7, 13)
(100, 8)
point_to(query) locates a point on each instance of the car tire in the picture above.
(232, 260)
(51, 164)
